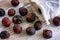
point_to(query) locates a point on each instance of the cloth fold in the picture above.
(53, 7)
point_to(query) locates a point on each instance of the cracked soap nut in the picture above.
(30, 31)
(56, 21)
(17, 29)
(11, 12)
(38, 25)
(31, 17)
(15, 2)
(17, 19)
(2, 12)
(47, 34)
(4, 35)
(39, 10)
(23, 11)
(6, 22)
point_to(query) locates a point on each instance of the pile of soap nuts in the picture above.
(17, 19)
